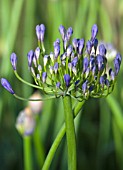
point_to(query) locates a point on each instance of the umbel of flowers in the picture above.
(73, 68)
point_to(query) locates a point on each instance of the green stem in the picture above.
(58, 139)
(27, 153)
(70, 133)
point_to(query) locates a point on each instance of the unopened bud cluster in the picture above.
(74, 67)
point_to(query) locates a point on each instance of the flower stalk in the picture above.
(70, 132)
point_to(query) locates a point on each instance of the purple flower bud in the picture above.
(112, 74)
(44, 76)
(13, 59)
(94, 31)
(63, 56)
(38, 31)
(69, 50)
(56, 50)
(99, 61)
(74, 61)
(85, 64)
(102, 50)
(52, 56)
(51, 70)
(30, 56)
(58, 84)
(42, 32)
(62, 31)
(37, 53)
(7, 85)
(57, 42)
(92, 62)
(95, 43)
(102, 80)
(107, 83)
(80, 46)
(70, 66)
(69, 32)
(45, 60)
(75, 43)
(67, 79)
(84, 86)
(65, 42)
(74, 70)
(116, 66)
(56, 67)
(39, 68)
(93, 70)
(88, 47)
(118, 57)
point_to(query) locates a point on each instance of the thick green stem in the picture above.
(58, 139)
(70, 133)
(27, 153)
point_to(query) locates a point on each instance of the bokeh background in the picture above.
(99, 127)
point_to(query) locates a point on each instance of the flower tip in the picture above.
(7, 85)
(67, 79)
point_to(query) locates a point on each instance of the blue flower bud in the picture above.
(94, 31)
(102, 50)
(39, 68)
(84, 86)
(69, 50)
(80, 46)
(102, 80)
(58, 84)
(65, 42)
(70, 66)
(75, 43)
(44, 76)
(74, 61)
(56, 51)
(88, 47)
(7, 85)
(69, 32)
(57, 42)
(63, 56)
(95, 44)
(37, 53)
(51, 70)
(99, 60)
(107, 83)
(112, 74)
(52, 56)
(92, 62)
(56, 67)
(38, 31)
(62, 31)
(30, 56)
(85, 64)
(74, 70)
(42, 32)
(13, 59)
(45, 60)
(67, 79)
(116, 66)
(118, 57)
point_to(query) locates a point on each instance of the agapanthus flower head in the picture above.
(7, 85)
(13, 59)
(72, 69)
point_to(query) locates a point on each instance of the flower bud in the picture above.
(44, 76)
(67, 79)
(94, 31)
(13, 59)
(7, 85)
(30, 56)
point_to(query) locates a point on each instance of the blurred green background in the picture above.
(100, 125)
